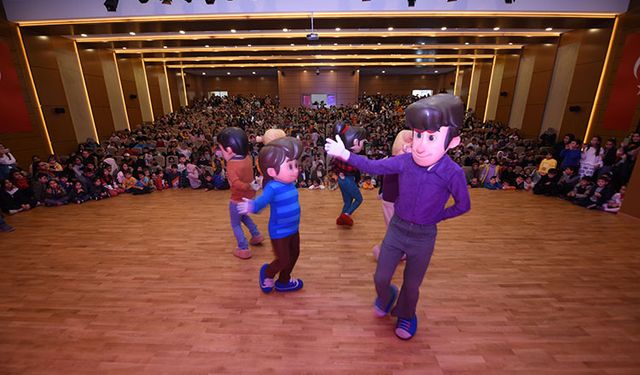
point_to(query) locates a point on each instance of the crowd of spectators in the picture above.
(179, 151)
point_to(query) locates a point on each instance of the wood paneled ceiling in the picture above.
(350, 40)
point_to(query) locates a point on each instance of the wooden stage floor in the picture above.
(148, 285)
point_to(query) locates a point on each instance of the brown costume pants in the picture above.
(286, 250)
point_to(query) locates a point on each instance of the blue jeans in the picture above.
(236, 225)
(350, 194)
(415, 240)
(5, 171)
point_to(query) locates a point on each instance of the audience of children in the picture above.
(134, 161)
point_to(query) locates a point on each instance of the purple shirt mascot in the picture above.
(427, 178)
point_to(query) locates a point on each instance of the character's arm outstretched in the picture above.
(249, 206)
(337, 149)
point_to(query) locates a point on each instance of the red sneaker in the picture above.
(242, 253)
(348, 220)
(257, 240)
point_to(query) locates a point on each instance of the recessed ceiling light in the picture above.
(384, 71)
(228, 73)
(443, 28)
(335, 44)
(292, 44)
(253, 72)
(164, 46)
(84, 35)
(338, 29)
(248, 45)
(422, 43)
(379, 44)
(233, 30)
(496, 28)
(132, 33)
(466, 43)
(548, 29)
(204, 74)
(285, 29)
(206, 46)
(435, 71)
(124, 47)
(390, 28)
(510, 43)
(182, 32)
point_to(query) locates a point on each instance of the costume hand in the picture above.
(245, 206)
(336, 148)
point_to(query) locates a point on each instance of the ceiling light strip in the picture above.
(303, 15)
(312, 65)
(314, 57)
(303, 34)
(306, 47)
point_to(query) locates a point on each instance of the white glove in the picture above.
(336, 148)
(255, 185)
(245, 207)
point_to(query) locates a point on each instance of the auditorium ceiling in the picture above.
(412, 40)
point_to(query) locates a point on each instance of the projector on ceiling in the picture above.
(313, 36)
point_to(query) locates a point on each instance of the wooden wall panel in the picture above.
(195, 87)
(589, 64)
(293, 83)
(130, 92)
(153, 80)
(400, 84)
(631, 204)
(97, 89)
(466, 81)
(46, 76)
(173, 76)
(539, 87)
(23, 145)
(483, 88)
(243, 85)
(507, 86)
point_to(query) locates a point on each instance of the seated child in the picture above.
(159, 181)
(581, 190)
(193, 176)
(316, 185)
(367, 184)
(332, 181)
(613, 205)
(600, 194)
(492, 184)
(548, 184)
(55, 195)
(98, 190)
(474, 183)
(568, 181)
(528, 184)
(208, 182)
(517, 185)
(78, 193)
(173, 177)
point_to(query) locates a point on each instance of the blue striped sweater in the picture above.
(285, 208)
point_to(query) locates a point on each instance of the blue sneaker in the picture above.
(406, 328)
(382, 311)
(291, 286)
(266, 284)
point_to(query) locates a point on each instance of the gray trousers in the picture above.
(415, 240)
